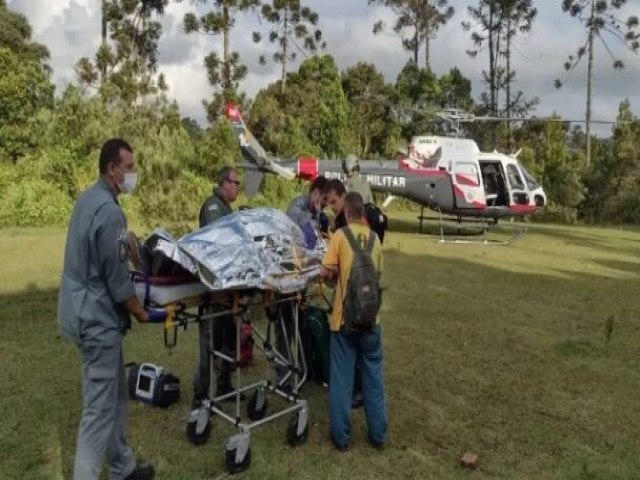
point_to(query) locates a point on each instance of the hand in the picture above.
(156, 315)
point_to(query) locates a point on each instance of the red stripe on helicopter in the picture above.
(459, 193)
(308, 168)
(523, 209)
(465, 180)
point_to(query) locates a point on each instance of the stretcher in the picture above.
(188, 301)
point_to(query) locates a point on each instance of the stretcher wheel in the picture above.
(294, 438)
(257, 405)
(198, 438)
(232, 465)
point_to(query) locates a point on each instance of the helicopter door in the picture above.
(519, 195)
(467, 186)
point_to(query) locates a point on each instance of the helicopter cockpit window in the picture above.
(515, 180)
(467, 173)
(531, 182)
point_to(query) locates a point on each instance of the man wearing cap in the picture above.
(354, 181)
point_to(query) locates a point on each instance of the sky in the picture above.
(71, 30)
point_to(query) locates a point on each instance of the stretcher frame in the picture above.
(237, 450)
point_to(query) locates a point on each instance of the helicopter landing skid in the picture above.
(479, 226)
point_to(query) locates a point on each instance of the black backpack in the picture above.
(376, 219)
(361, 301)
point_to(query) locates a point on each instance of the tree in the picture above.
(290, 26)
(487, 16)
(455, 91)
(25, 86)
(598, 19)
(519, 15)
(25, 89)
(623, 202)
(15, 35)
(547, 156)
(370, 121)
(224, 74)
(126, 69)
(309, 118)
(422, 17)
(418, 90)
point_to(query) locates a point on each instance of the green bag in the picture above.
(317, 351)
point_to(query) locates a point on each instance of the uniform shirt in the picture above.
(95, 277)
(339, 254)
(357, 183)
(214, 208)
(300, 211)
(307, 219)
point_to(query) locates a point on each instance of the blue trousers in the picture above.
(345, 350)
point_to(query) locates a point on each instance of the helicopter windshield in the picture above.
(531, 182)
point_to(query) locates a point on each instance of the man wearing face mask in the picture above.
(95, 301)
(306, 210)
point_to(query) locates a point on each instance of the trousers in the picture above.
(103, 427)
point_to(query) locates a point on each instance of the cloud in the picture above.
(71, 29)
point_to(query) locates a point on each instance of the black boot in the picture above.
(143, 471)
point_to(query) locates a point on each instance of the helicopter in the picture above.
(449, 175)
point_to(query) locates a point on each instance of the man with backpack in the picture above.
(354, 261)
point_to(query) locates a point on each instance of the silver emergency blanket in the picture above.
(256, 248)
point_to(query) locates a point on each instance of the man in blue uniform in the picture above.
(306, 211)
(224, 334)
(95, 301)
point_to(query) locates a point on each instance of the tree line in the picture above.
(49, 143)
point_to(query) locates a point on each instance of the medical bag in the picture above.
(150, 383)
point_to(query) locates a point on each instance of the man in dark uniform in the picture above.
(335, 192)
(95, 300)
(215, 207)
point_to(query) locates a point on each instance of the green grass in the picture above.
(526, 355)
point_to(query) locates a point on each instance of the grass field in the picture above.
(527, 355)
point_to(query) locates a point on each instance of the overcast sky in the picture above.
(71, 29)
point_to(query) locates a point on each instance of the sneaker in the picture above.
(143, 471)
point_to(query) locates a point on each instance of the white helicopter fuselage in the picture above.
(481, 181)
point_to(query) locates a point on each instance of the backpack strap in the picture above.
(352, 240)
(357, 252)
(371, 241)
(354, 244)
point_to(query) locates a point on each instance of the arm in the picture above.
(330, 262)
(113, 262)
(134, 307)
(112, 250)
